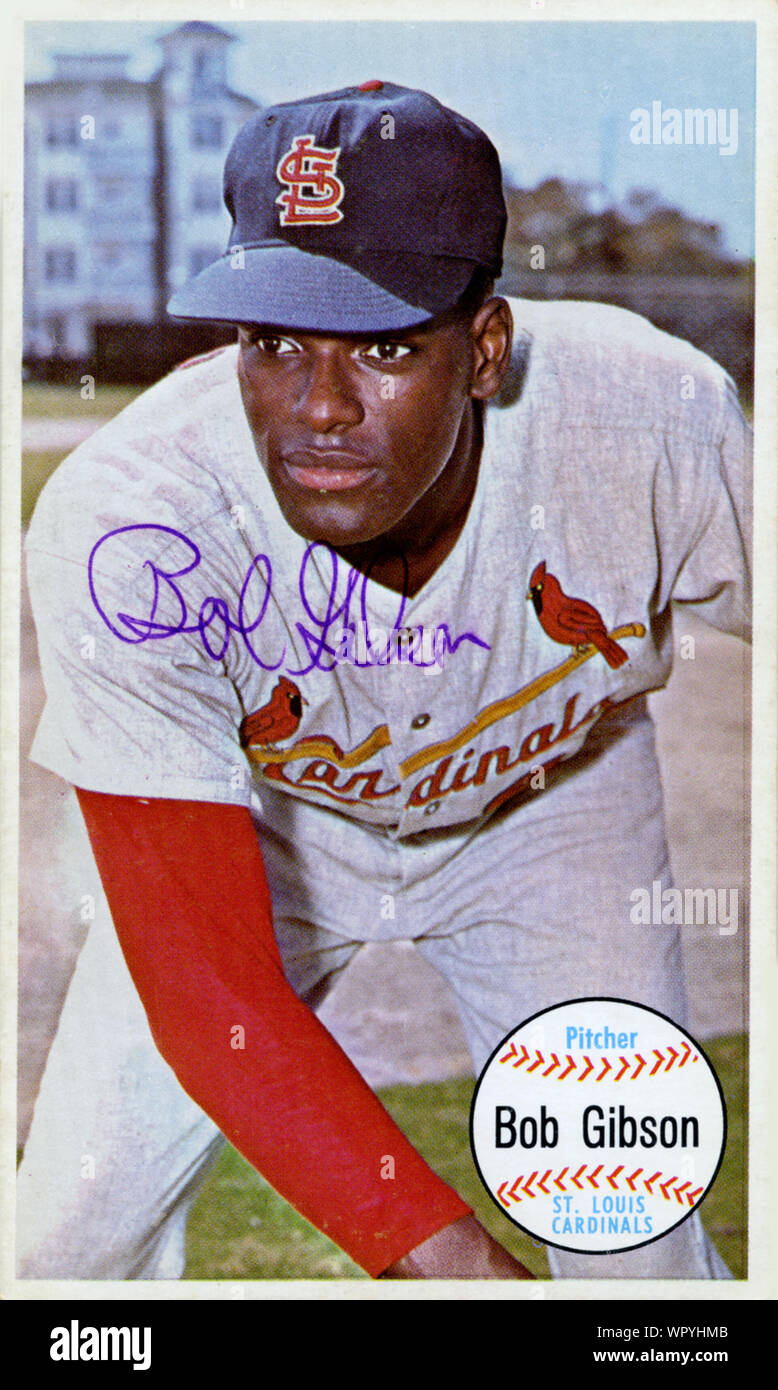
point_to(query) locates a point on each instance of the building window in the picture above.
(200, 257)
(111, 189)
(54, 326)
(61, 131)
(110, 253)
(207, 132)
(206, 195)
(61, 195)
(60, 265)
(207, 72)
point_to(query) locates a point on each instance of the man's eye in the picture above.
(387, 352)
(272, 345)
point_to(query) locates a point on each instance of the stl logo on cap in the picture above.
(314, 191)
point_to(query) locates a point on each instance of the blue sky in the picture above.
(555, 98)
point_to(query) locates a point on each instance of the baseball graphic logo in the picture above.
(598, 1125)
(314, 191)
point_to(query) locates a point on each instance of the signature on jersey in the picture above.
(331, 630)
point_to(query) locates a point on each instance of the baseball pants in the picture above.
(524, 911)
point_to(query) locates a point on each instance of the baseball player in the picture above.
(376, 595)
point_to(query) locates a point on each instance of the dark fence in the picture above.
(149, 351)
(133, 353)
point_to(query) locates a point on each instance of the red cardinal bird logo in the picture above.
(278, 719)
(570, 621)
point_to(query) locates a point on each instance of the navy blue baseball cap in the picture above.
(363, 210)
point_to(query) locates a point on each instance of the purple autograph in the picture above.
(341, 633)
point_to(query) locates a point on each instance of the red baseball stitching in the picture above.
(534, 1184)
(663, 1064)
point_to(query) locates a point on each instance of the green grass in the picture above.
(241, 1229)
(37, 468)
(725, 1209)
(41, 399)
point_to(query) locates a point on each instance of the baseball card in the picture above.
(389, 669)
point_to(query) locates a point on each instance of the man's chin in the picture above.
(328, 522)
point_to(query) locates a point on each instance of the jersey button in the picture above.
(432, 808)
(420, 721)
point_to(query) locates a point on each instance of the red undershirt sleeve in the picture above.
(187, 890)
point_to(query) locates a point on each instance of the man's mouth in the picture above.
(322, 470)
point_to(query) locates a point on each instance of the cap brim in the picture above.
(283, 286)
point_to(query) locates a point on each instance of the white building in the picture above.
(123, 186)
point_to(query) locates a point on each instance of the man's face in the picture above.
(353, 432)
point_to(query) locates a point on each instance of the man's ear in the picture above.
(492, 336)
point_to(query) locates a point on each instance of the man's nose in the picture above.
(328, 399)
